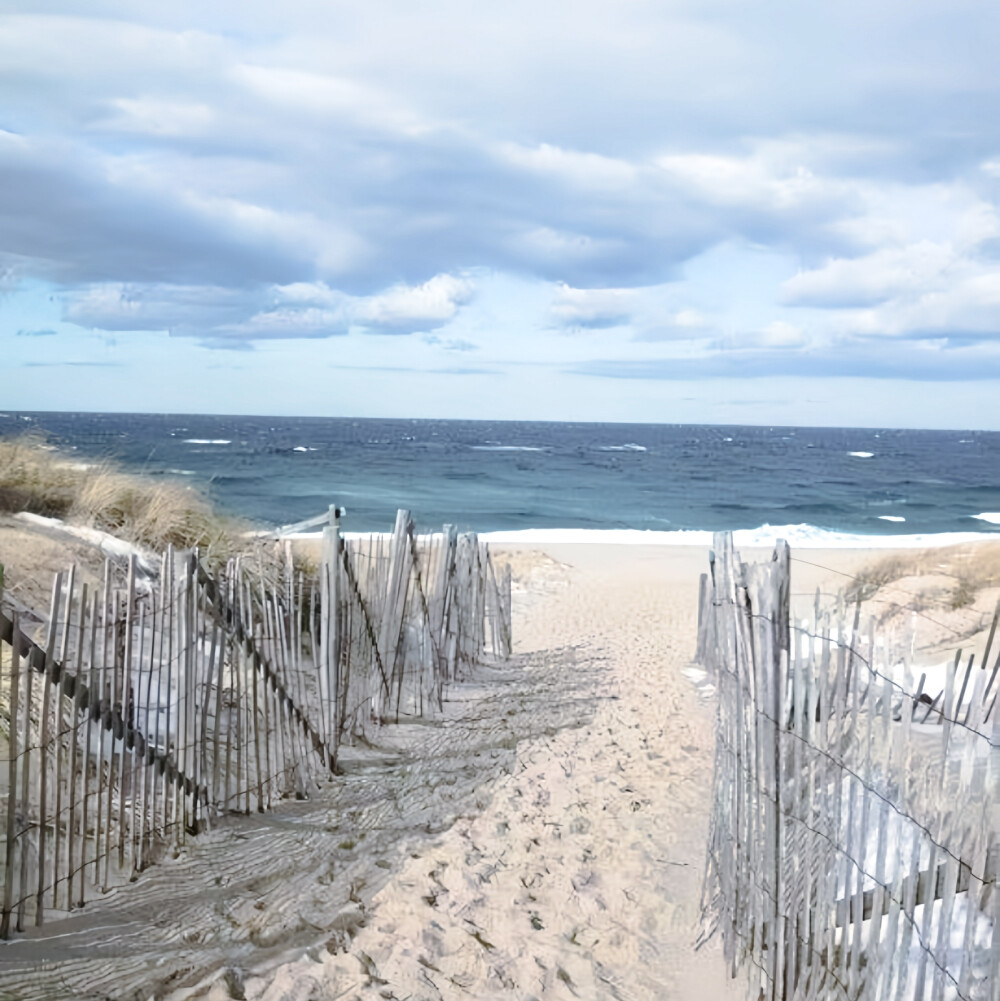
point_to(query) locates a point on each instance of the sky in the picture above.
(676, 211)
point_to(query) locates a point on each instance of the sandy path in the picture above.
(580, 878)
(544, 840)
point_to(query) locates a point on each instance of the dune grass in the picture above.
(150, 511)
(971, 568)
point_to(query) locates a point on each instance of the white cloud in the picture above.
(587, 171)
(773, 177)
(967, 306)
(312, 307)
(133, 306)
(780, 334)
(286, 322)
(330, 96)
(406, 307)
(235, 171)
(593, 307)
(872, 278)
(300, 309)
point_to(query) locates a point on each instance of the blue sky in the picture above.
(649, 211)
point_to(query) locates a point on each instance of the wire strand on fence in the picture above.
(774, 875)
(156, 714)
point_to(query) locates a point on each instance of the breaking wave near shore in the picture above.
(611, 482)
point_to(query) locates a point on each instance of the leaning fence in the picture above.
(855, 833)
(157, 703)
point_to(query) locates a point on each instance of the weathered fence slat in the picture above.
(851, 853)
(159, 709)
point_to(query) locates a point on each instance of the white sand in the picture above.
(581, 877)
(544, 840)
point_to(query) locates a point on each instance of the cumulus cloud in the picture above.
(683, 324)
(404, 308)
(762, 181)
(609, 307)
(965, 308)
(586, 171)
(871, 278)
(780, 334)
(297, 310)
(924, 289)
(156, 306)
(234, 174)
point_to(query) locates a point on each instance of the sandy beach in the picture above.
(543, 839)
(580, 875)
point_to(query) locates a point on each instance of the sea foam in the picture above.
(801, 536)
(506, 448)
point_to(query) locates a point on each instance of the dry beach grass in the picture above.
(151, 512)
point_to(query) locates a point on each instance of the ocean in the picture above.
(811, 485)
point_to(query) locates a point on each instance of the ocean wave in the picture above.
(798, 536)
(207, 441)
(506, 448)
(303, 448)
(891, 517)
(993, 517)
(862, 455)
(630, 446)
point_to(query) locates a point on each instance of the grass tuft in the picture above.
(150, 512)
(971, 568)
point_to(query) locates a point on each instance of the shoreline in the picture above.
(798, 536)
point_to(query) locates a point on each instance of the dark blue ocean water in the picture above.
(517, 475)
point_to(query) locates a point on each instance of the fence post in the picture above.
(15, 685)
(331, 562)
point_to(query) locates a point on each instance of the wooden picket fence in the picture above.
(855, 833)
(154, 705)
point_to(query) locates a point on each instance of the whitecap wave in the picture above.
(993, 517)
(891, 517)
(207, 441)
(799, 536)
(629, 446)
(303, 448)
(862, 455)
(506, 448)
